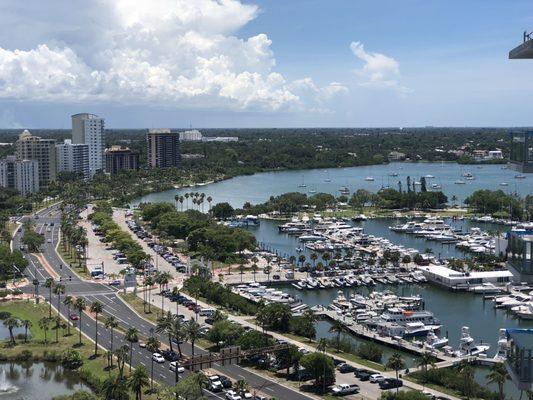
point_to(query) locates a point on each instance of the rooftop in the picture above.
(450, 273)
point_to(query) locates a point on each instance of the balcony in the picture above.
(519, 360)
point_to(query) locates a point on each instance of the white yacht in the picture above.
(369, 179)
(434, 342)
(467, 347)
(503, 346)
(486, 287)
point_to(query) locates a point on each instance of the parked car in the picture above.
(226, 382)
(73, 316)
(142, 345)
(364, 376)
(158, 358)
(170, 355)
(376, 378)
(116, 282)
(390, 383)
(345, 389)
(346, 368)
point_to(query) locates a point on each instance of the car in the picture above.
(116, 282)
(258, 397)
(73, 316)
(158, 358)
(364, 376)
(346, 368)
(376, 378)
(49, 240)
(214, 383)
(170, 355)
(142, 345)
(175, 364)
(390, 383)
(359, 371)
(231, 395)
(226, 382)
(345, 389)
(247, 395)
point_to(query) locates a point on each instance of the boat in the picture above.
(369, 179)
(504, 184)
(302, 185)
(434, 342)
(460, 182)
(520, 176)
(393, 174)
(429, 176)
(311, 191)
(344, 190)
(436, 186)
(503, 346)
(486, 287)
(416, 329)
(359, 218)
(467, 347)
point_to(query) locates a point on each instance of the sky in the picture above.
(264, 63)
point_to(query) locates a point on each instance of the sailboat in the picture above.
(302, 185)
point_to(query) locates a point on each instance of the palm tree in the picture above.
(59, 289)
(322, 345)
(424, 361)
(337, 327)
(162, 279)
(177, 332)
(27, 324)
(69, 302)
(132, 336)
(152, 345)
(209, 200)
(254, 270)
(111, 323)
(314, 257)
(96, 308)
(396, 363)
(49, 283)
(241, 270)
(467, 373)
(192, 332)
(268, 270)
(57, 326)
(164, 325)
(138, 380)
(122, 354)
(498, 375)
(11, 323)
(241, 386)
(148, 283)
(80, 305)
(44, 324)
(115, 388)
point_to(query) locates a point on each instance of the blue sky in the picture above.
(265, 63)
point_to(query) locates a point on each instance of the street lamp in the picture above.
(525, 50)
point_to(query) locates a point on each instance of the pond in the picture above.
(37, 381)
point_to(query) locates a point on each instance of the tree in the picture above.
(191, 387)
(59, 289)
(49, 283)
(152, 344)
(321, 367)
(192, 332)
(268, 271)
(71, 359)
(115, 389)
(138, 380)
(80, 305)
(467, 374)
(96, 308)
(337, 328)
(111, 324)
(27, 324)
(322, 345)
(122, 354)
(44, 325)
(32, 239)
(396, 363)
(222, 211)
(131, 336)
(177, 332)
(11, 323)
(69, 302)
(241, 386)
(498, 375)
(424, 361)
(164, 325)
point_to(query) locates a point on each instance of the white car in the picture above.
(231, 395)
(247, 395)
(175, 364)
(376, 378)
(142, 345)
(158, 358)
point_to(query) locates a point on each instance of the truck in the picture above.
(213, 383)
(345, 389)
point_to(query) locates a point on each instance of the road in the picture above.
(51, 265)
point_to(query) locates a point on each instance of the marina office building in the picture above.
(521, 157)
(462, 280)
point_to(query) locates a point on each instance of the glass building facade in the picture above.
(522, 151)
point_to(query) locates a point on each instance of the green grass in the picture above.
(27, 310)
(332, 350)
(439, 388)
(74, 263)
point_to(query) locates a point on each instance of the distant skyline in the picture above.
(264, 63)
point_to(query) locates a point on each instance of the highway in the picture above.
(52, 266)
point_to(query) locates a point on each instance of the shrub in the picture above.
(71, 359)
(370, 351)
(24, 355)
(4, 314)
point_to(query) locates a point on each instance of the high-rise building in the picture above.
(73, 157)
(89, 129)
(22, 175)
(163, 148)
(521, 157)
(30, 147)
(118, 158)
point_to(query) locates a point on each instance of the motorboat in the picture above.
(467, 347)
(369, 179)
(503, 346)
(485, 288)
(520, 176)
(460, 182)
(344, 190)
(434, 342)
(504, 184)
(416, 329)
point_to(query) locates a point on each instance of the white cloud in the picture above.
(172, 53)
(379, 70)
